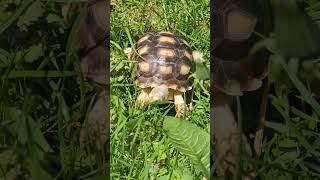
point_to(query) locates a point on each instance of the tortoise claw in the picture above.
(128, 52)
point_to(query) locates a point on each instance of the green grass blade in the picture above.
(15, 16)
(70, 47)
(307, 96)
(40, 74)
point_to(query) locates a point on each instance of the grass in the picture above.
(44, 99)
(291, 144)
(139, 147)
(43, 96)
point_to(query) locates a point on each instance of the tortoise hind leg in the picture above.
(143, 98)
(179, 104)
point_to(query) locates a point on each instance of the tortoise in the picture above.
(165, 67)
(237, 71)
(92, 38)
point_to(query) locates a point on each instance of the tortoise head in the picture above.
(238, 24)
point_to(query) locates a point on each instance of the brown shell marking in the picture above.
(233, 78)
(143, 50)
(188, 55)
(144, 38)
(166, 33)
(186, 43)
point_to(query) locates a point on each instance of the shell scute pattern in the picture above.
(164, 58)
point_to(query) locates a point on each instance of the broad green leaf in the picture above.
(202, 71)
(7, 164)
(22, 128)
(40, 74)
(165, 177)
(34, 52)
(186, 175)
(191, 141)
(53, 18)
(15, 16)
(279, 127)
(32, 14)
(296, 34)
(72, 38)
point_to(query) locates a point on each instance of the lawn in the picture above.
(44, 98)
(140, 149)
(287, 106)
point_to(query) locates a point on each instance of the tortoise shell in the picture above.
(164, 58)
(235, 68)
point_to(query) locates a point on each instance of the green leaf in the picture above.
(296, 34)
(53, 18)
(72, 38)
(186, 175)
(32, 14)
(22, 128)
(7, 164)
(279, 127)
(165, 177)
(34, 52)
(191, 141)
(16, 15)
(202, 72)
(40, 74)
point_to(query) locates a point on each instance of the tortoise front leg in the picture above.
(128, 52)
(143, 98)
(179, 104)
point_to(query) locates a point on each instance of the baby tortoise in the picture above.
(238, 70)
(165, 67)
(92, 40)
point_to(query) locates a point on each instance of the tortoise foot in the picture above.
(143, 99)
(180, 105)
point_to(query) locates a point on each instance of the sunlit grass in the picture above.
(139, 146)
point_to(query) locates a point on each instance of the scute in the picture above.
(164, 58)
